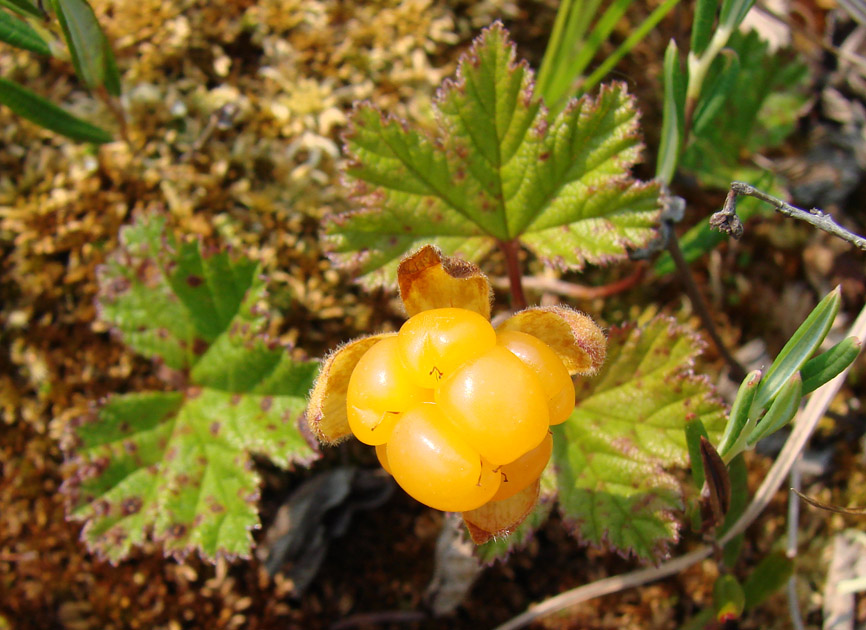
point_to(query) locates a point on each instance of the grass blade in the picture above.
(630, 42)
(18, 33)
(818, 370)
(739, 415)
(672, 116)
(23, 7)
(46, 114)
(85, 40)
(781, 411)
(799, 348)
(702, 25)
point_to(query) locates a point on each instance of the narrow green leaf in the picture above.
(768, 577)
(827, 365)
(611, 455)
(112, 74)
(499, 168)
(18, 33)
(85, 40)
(717, 90)
(695, 430)
(781, 411)
(738, 474)
(48, 115)
(733, 13)
(634, 38)
(672, 112)
(177, 466)
(802, 344)
(702, 25)
(739, 415)
(566, 74)
(729, 600)
(759, 111)
(23, 7)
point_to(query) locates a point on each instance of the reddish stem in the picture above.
(511, 250)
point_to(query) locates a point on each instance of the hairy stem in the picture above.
(738, 373)
(511, 250)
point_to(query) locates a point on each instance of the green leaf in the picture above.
(738, 474)
(23, 7)
(613, 453)
(702, 25)
(635, 37)
(802, 344)
(781, 411)
(166, 298)
(499, 168)
(91, 55)
(695, 430)
(728, 598)
(46, 114)
(176, 466)
(739, 416)
(733, 12)
(753, 110)
(18, 33)
(717, 90)
(767, 578)
(827, 365)
(672, 115)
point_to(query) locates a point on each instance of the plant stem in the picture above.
(578, 291)
(805, 424)
(727, 220)
(116, 111)
(738, 373)
(511, 250)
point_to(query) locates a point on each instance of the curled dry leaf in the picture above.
(326, 411)
(579, 342)
(428, 280)
(500, 518)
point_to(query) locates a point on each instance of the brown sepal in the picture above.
(326, 411)
(579, 342)
(428, 280)
(500, 518)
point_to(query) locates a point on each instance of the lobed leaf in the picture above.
(628, 428)
(176, 466)
(499, 167)
(167, 299)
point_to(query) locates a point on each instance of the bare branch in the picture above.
(726, 220)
